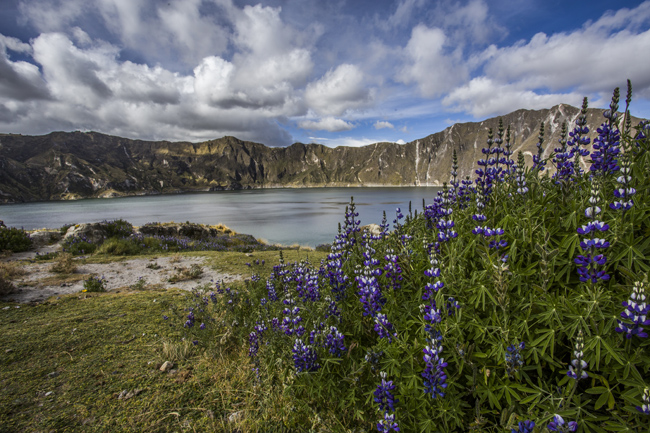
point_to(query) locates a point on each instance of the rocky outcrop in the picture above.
(61, 165)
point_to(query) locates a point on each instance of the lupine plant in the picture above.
(442, 349)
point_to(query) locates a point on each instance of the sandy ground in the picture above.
(32, 287)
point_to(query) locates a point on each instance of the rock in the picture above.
(53, 374)
(125, 395)
(49, 393)
(235, 416)
(373, 229)
(166, 366)
(44, 237)
(93, 232)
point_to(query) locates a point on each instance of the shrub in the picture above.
(64, 264)
(94, 284)
(14, 239)
(118, 228)
(79, 245)
(9, 271)
(511, 300)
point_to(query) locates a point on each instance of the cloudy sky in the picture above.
(337, 72)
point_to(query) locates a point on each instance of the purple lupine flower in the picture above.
(607, 144)
(524, 427)
(578, 365)
(305, 358)
(334, 342)
(393, 269)
(384, 394)
(384, 328)
(388, 423)
(578, 140)
(645, 407)
(253, 343)
(590, 263)
(190, 320)
(558, 424)
(372, 358)
(562, 159)
(514, 360)
(435, 378)
(520, 175)
(625, 192)
(452, 306)
(636, 311)
(538, 162)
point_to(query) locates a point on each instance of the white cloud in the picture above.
(484, 97)
(338, 91)
(383, 124)
(52, 15)
(330, 124)
(431, 63)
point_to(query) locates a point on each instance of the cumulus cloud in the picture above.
(330, 124)
(431, 63)
(482, 97)
(383, 124)
(564, 67)
(19, 80)
(338, 91)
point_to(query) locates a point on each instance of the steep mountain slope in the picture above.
(72, 165)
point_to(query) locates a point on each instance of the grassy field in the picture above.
(91, 362)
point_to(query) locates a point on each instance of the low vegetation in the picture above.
(515, 302)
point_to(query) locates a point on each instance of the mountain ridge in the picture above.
(71, 165)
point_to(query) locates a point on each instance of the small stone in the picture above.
(53, 374)
(49, 393)
(9, 350)
(173, 372)
(6, 308)
(166, 366)
(235, 416)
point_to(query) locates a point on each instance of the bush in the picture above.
(94, 284)
(510, 300)
(79, 245)
(13, 239)
(118, 228)
(6, 286)
(64, 264)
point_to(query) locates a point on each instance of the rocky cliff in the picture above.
(73, 165)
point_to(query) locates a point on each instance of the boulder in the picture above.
(92, 232)
(42, 238)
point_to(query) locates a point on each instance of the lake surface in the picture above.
(307, 216)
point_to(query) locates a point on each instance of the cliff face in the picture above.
(78, 165)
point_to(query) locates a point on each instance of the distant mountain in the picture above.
(62, 165)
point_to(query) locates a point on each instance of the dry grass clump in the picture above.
(184, 274)
(9, 271)
(64, 264)
(177, 351)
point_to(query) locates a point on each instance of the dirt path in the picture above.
(36, 284)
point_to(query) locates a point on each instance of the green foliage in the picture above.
(527, 292)
(78, 245)
(94, 284)
(120, 247)
(14, 239)
(118, 228)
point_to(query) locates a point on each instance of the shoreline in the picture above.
(117, 194)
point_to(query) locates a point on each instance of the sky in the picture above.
(335, 72)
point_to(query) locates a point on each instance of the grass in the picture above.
(90, 361)
(66, 362)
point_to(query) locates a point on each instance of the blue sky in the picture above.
(334, 72)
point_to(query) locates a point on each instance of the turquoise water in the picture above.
(284, 216)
